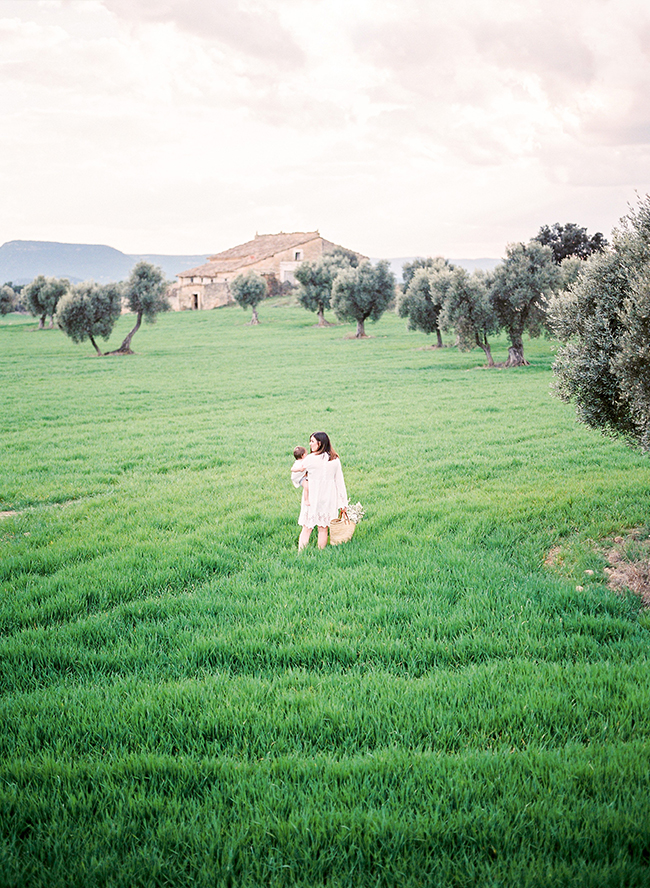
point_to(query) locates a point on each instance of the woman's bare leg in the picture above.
(322, 537)
(303, 539)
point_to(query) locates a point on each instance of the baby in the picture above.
(299, 475)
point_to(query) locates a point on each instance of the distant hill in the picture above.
(21, 261)
(469, 264)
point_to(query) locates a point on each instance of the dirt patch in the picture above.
(553, 556)
(13, 512)
(629, 564)
(626, 567)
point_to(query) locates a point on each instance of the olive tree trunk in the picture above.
(483, 343)
(488, 355)
(125, 348)
(361, 331)
(321, 317)
(95, 346)
(516, 356)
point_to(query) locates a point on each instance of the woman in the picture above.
(327, 493)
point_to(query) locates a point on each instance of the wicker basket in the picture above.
(341, 530)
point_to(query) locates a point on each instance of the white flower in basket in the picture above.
(355, 512)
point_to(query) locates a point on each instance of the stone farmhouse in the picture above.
(271, 255)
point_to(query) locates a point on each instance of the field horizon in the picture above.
(186, 700)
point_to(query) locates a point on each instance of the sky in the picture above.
(394, 127)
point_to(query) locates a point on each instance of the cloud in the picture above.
(396, 127)
(495, 83)
(255, 31)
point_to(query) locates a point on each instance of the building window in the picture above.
(298, 256)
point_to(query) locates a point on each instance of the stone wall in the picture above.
(203, 296)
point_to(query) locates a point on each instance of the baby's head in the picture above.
(299, 452)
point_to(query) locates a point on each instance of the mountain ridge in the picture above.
(21, 261)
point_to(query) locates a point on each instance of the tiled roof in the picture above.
(265, 245)
(211, 268)
(262, 247)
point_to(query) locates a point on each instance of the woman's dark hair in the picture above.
(325, 445)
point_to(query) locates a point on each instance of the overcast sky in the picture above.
(395, 127)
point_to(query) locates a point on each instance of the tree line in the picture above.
(438, 297)
(435, 296)
(595, 298)
(89, 310)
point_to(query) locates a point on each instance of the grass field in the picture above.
(185, 700)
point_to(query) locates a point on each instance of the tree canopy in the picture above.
(363, 293)
(88, 311)
(145, 292)
(7, 299)
(425, 295)
(570, 240)
(410, 268)
(521, 286)
(342, 258)
(317, 278)
(468, 311)
(249, 289)
(42, 296)
(603, 321)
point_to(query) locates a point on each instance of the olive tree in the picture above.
(469, 313)
(521, 286)
(363, 293)
(145, 293)
(248, 290)
(42, 296)
(424, 297)
(409, 269)
(317, 278)
(570, 269)
(88, 311)
(604, 323)
(7, 299)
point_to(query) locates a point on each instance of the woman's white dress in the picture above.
(327, 493)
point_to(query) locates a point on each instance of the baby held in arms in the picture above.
(298, 474)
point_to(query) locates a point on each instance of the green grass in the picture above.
(185, 700)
